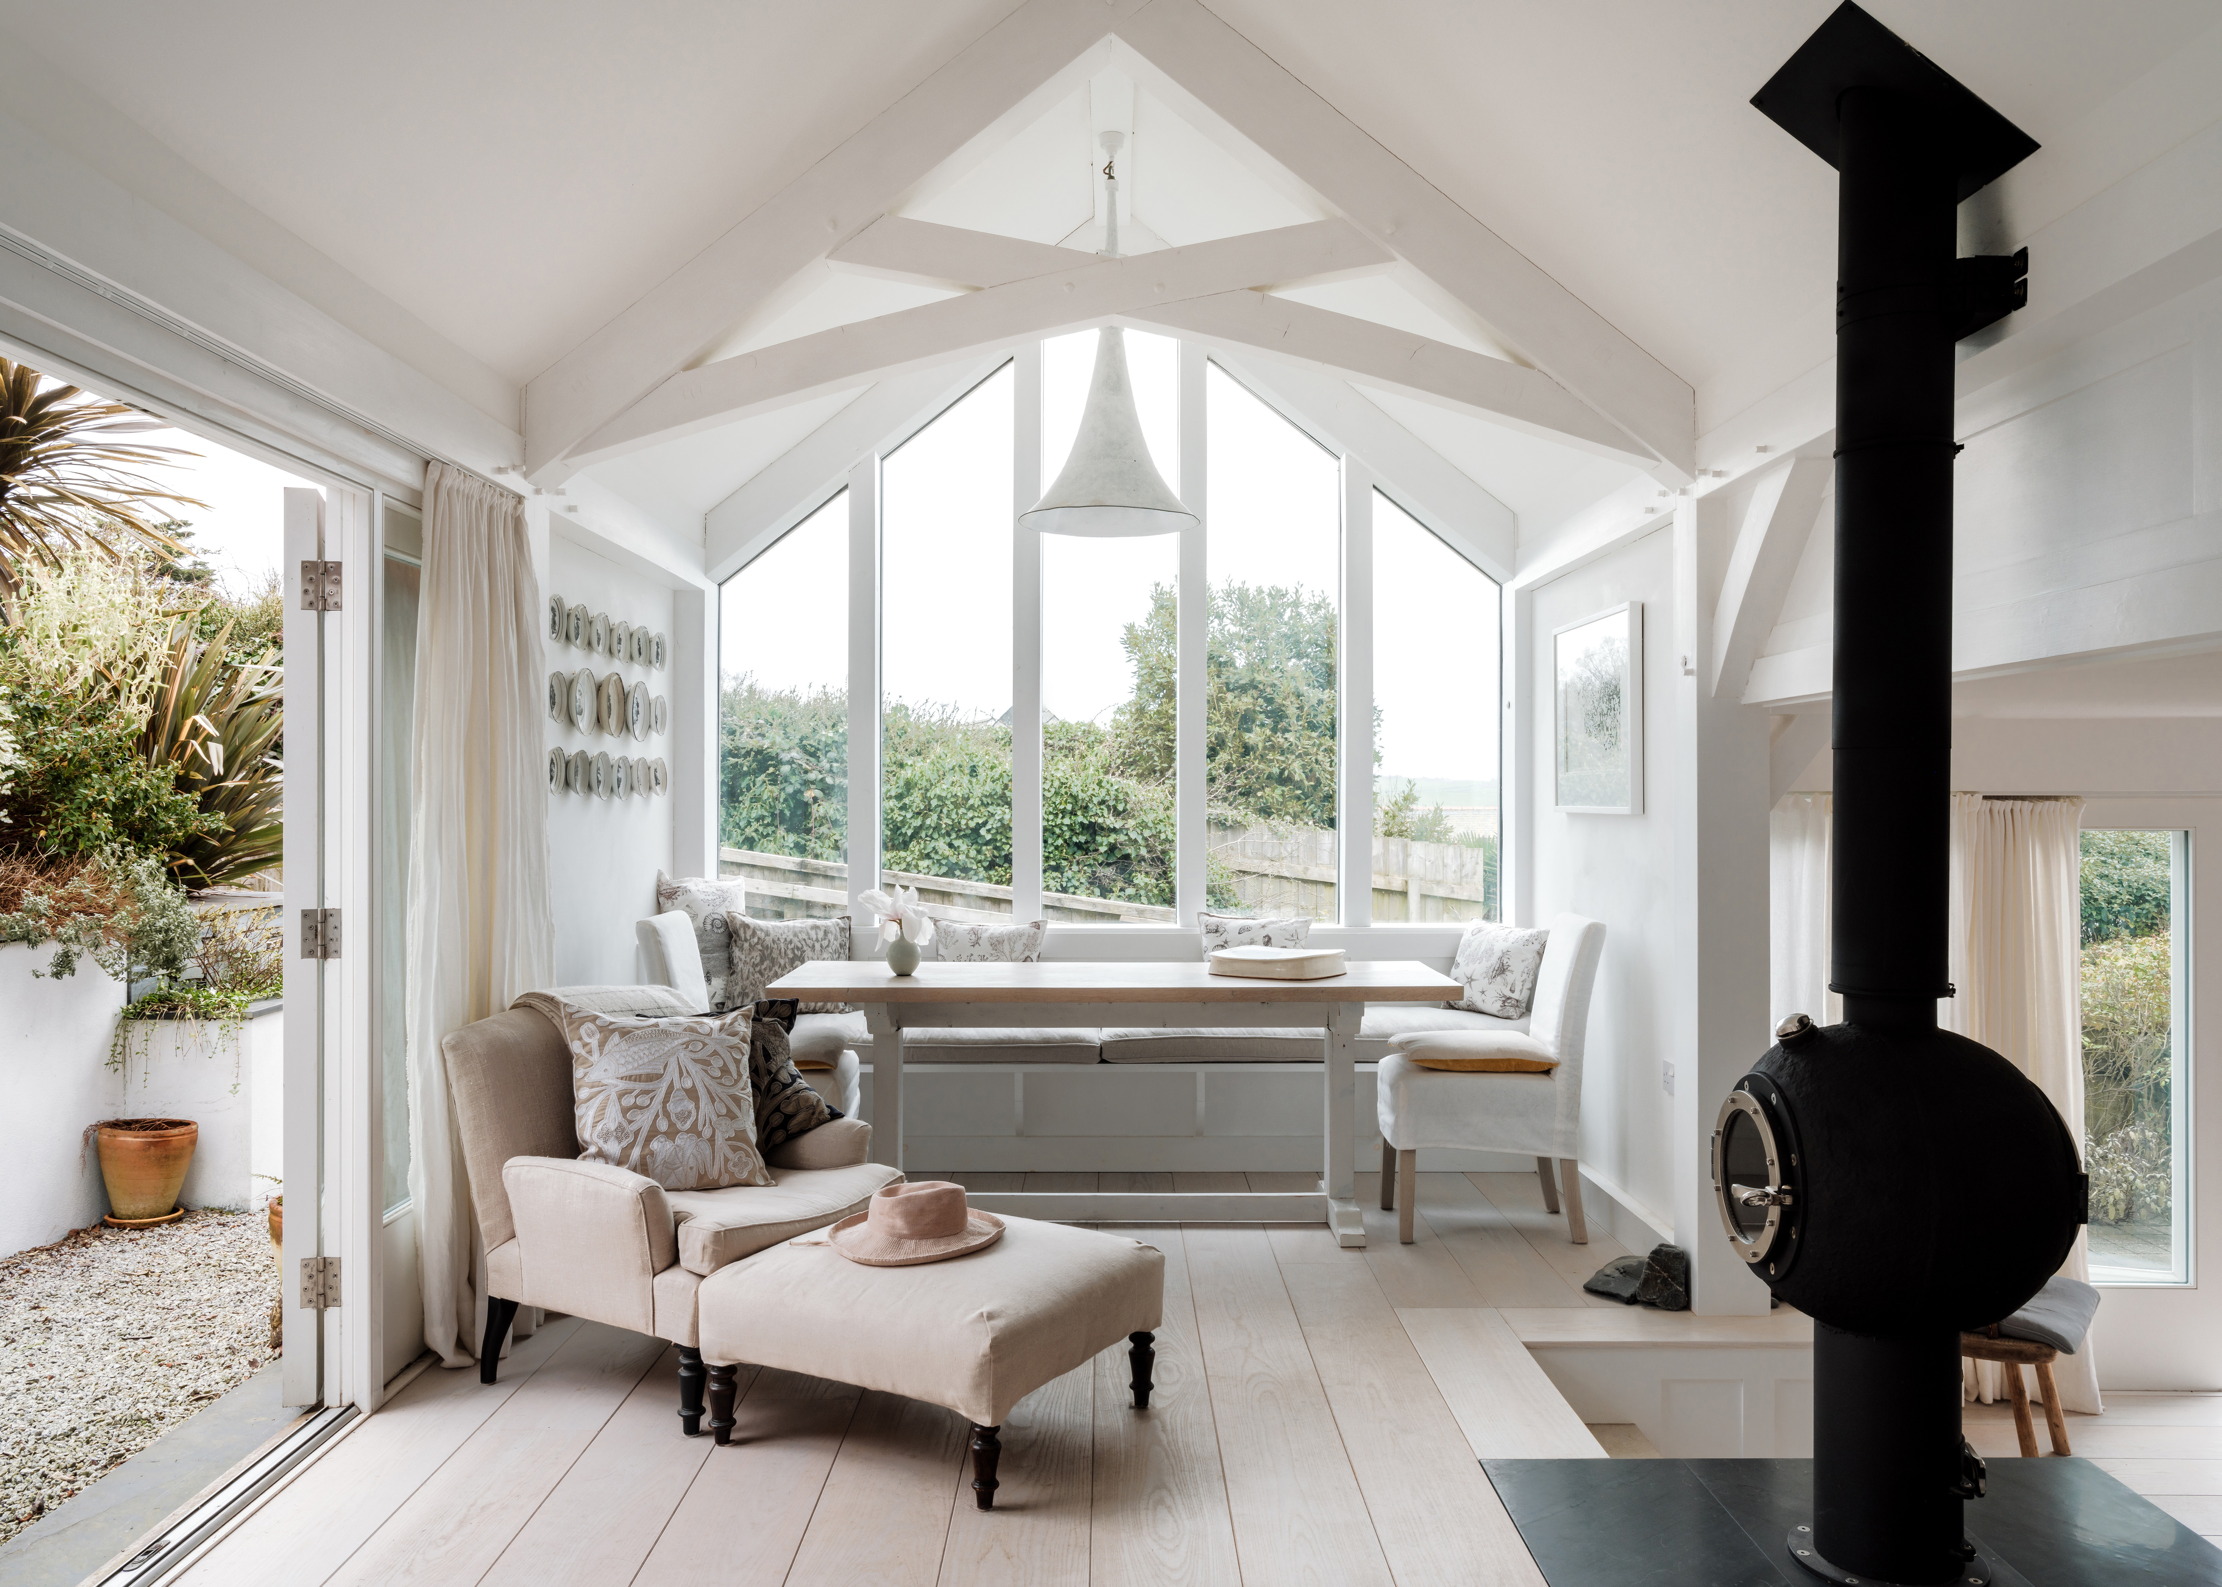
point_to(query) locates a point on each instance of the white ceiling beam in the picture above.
(1231, 78)
(1778, 521)
(1510, 393)
(792, 485)
(1421, 479)
(1014, 62)
(950, 256)
(732, 388)
(1793, 740)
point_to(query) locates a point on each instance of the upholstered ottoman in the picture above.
(976, 1333)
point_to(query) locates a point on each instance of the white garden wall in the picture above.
(54, 1083)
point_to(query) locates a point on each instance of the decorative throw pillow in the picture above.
(765, 950)
(707, 900)
(1245, 931)
(668, 1098)
(786, 1106)
(1498, 965)
(972, 942)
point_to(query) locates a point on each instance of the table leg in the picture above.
(887, 1084)
(1340, 1180)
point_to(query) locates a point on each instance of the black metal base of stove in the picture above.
(2049, 1522)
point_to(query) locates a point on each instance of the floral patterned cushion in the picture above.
(974, 942)
(668, 1098)
(765, 950)
(1247, 931)
(1498, 965)
(707, 900)
(786, 1106)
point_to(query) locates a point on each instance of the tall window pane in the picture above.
(2134, 1119)
(945, 663)
(1108, 654)
(1435, 665)
(783, 721)
(1275, 536)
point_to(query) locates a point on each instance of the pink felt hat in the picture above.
(907, 1224)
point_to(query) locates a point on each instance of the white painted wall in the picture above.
(604, 853)
(54, 1082)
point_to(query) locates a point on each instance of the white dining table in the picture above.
(1174, 993)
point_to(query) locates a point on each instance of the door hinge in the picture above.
(319, 933)
(319, 1282)
(320, 587)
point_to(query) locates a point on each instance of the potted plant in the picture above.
(143, 1162)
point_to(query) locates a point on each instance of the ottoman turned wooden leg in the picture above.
(987, 1449)
(499, 1315)
(722, 1392)
(691, 1378)
(1140, 1354)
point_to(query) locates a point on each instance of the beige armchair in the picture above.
(603, 1243)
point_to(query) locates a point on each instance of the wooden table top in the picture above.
(1097, 981)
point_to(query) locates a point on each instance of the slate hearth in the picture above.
(2048, 1522)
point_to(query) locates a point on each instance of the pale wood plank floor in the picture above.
(1318, 1418)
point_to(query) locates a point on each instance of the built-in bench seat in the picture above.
(821, 1037)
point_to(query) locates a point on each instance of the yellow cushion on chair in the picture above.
(1476, 1051)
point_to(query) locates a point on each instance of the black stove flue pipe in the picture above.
(1937, 1188)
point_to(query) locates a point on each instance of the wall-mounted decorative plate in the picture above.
(559, 620)
(600, 775)
(659, 775)
(621, 640)
(611, 714)
(575, 624)
(644, 647)
(637, 710)
(659, 714)
(621, 777)
(598, 633)
(583, 691)
(556, 761)
(656, 651)
(578, 772)
(559, 696)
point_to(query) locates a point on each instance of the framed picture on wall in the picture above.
(1597, 739)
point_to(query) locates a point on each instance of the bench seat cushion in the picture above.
(1384, 1022)
(718, 1227)
(976, 1333)
(819, 1037)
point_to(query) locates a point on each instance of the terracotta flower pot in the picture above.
(277, 1221)
(143, 1162)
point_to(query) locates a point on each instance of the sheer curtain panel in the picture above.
(1798, 898)
(2017, 963)
(481, 924)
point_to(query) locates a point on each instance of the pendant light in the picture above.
(1109, 486)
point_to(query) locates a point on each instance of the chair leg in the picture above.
(724, 1388)
(1388, 1176)
(2056, 1419)
(1407, 1192)
(987, 1449)
(499, 1315)
(2017, 1394)
(1142, 1357)
(692, 1376)
(1550, 1184)
(1570, 1191)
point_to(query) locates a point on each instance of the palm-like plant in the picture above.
(70, 480)
(220, 722)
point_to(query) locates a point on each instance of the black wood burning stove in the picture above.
(1894, 1181)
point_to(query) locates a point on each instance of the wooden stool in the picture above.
(2013, 1355)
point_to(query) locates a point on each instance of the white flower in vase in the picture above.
(904, 925)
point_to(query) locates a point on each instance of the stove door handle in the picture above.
(1760, 1195)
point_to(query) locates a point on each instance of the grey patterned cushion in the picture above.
(707, 900)
(765, 950)
(786, 1106)
(668, 1098)
(1498, 964)
(974, 942)
(1244, 931)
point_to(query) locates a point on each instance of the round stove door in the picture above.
(1752, 1164)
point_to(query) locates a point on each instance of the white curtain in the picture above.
(2017, 964)
(1798, 893)
(481, 922)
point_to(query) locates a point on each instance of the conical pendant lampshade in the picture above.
(1109, 486)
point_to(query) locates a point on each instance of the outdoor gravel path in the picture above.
(115, 1336)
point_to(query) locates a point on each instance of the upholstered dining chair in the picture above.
(1498, 1108)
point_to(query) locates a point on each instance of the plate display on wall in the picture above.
(599, 775)
(598, 633)
(583, 691)
(556, 763)
(609, 713)
(574, 625)
(559, 620)
(559, 696)
(621, 640)
(656, 651)
(658, 715)
(621, 777)
(637, 710)
(659, 775)
(577, 772)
